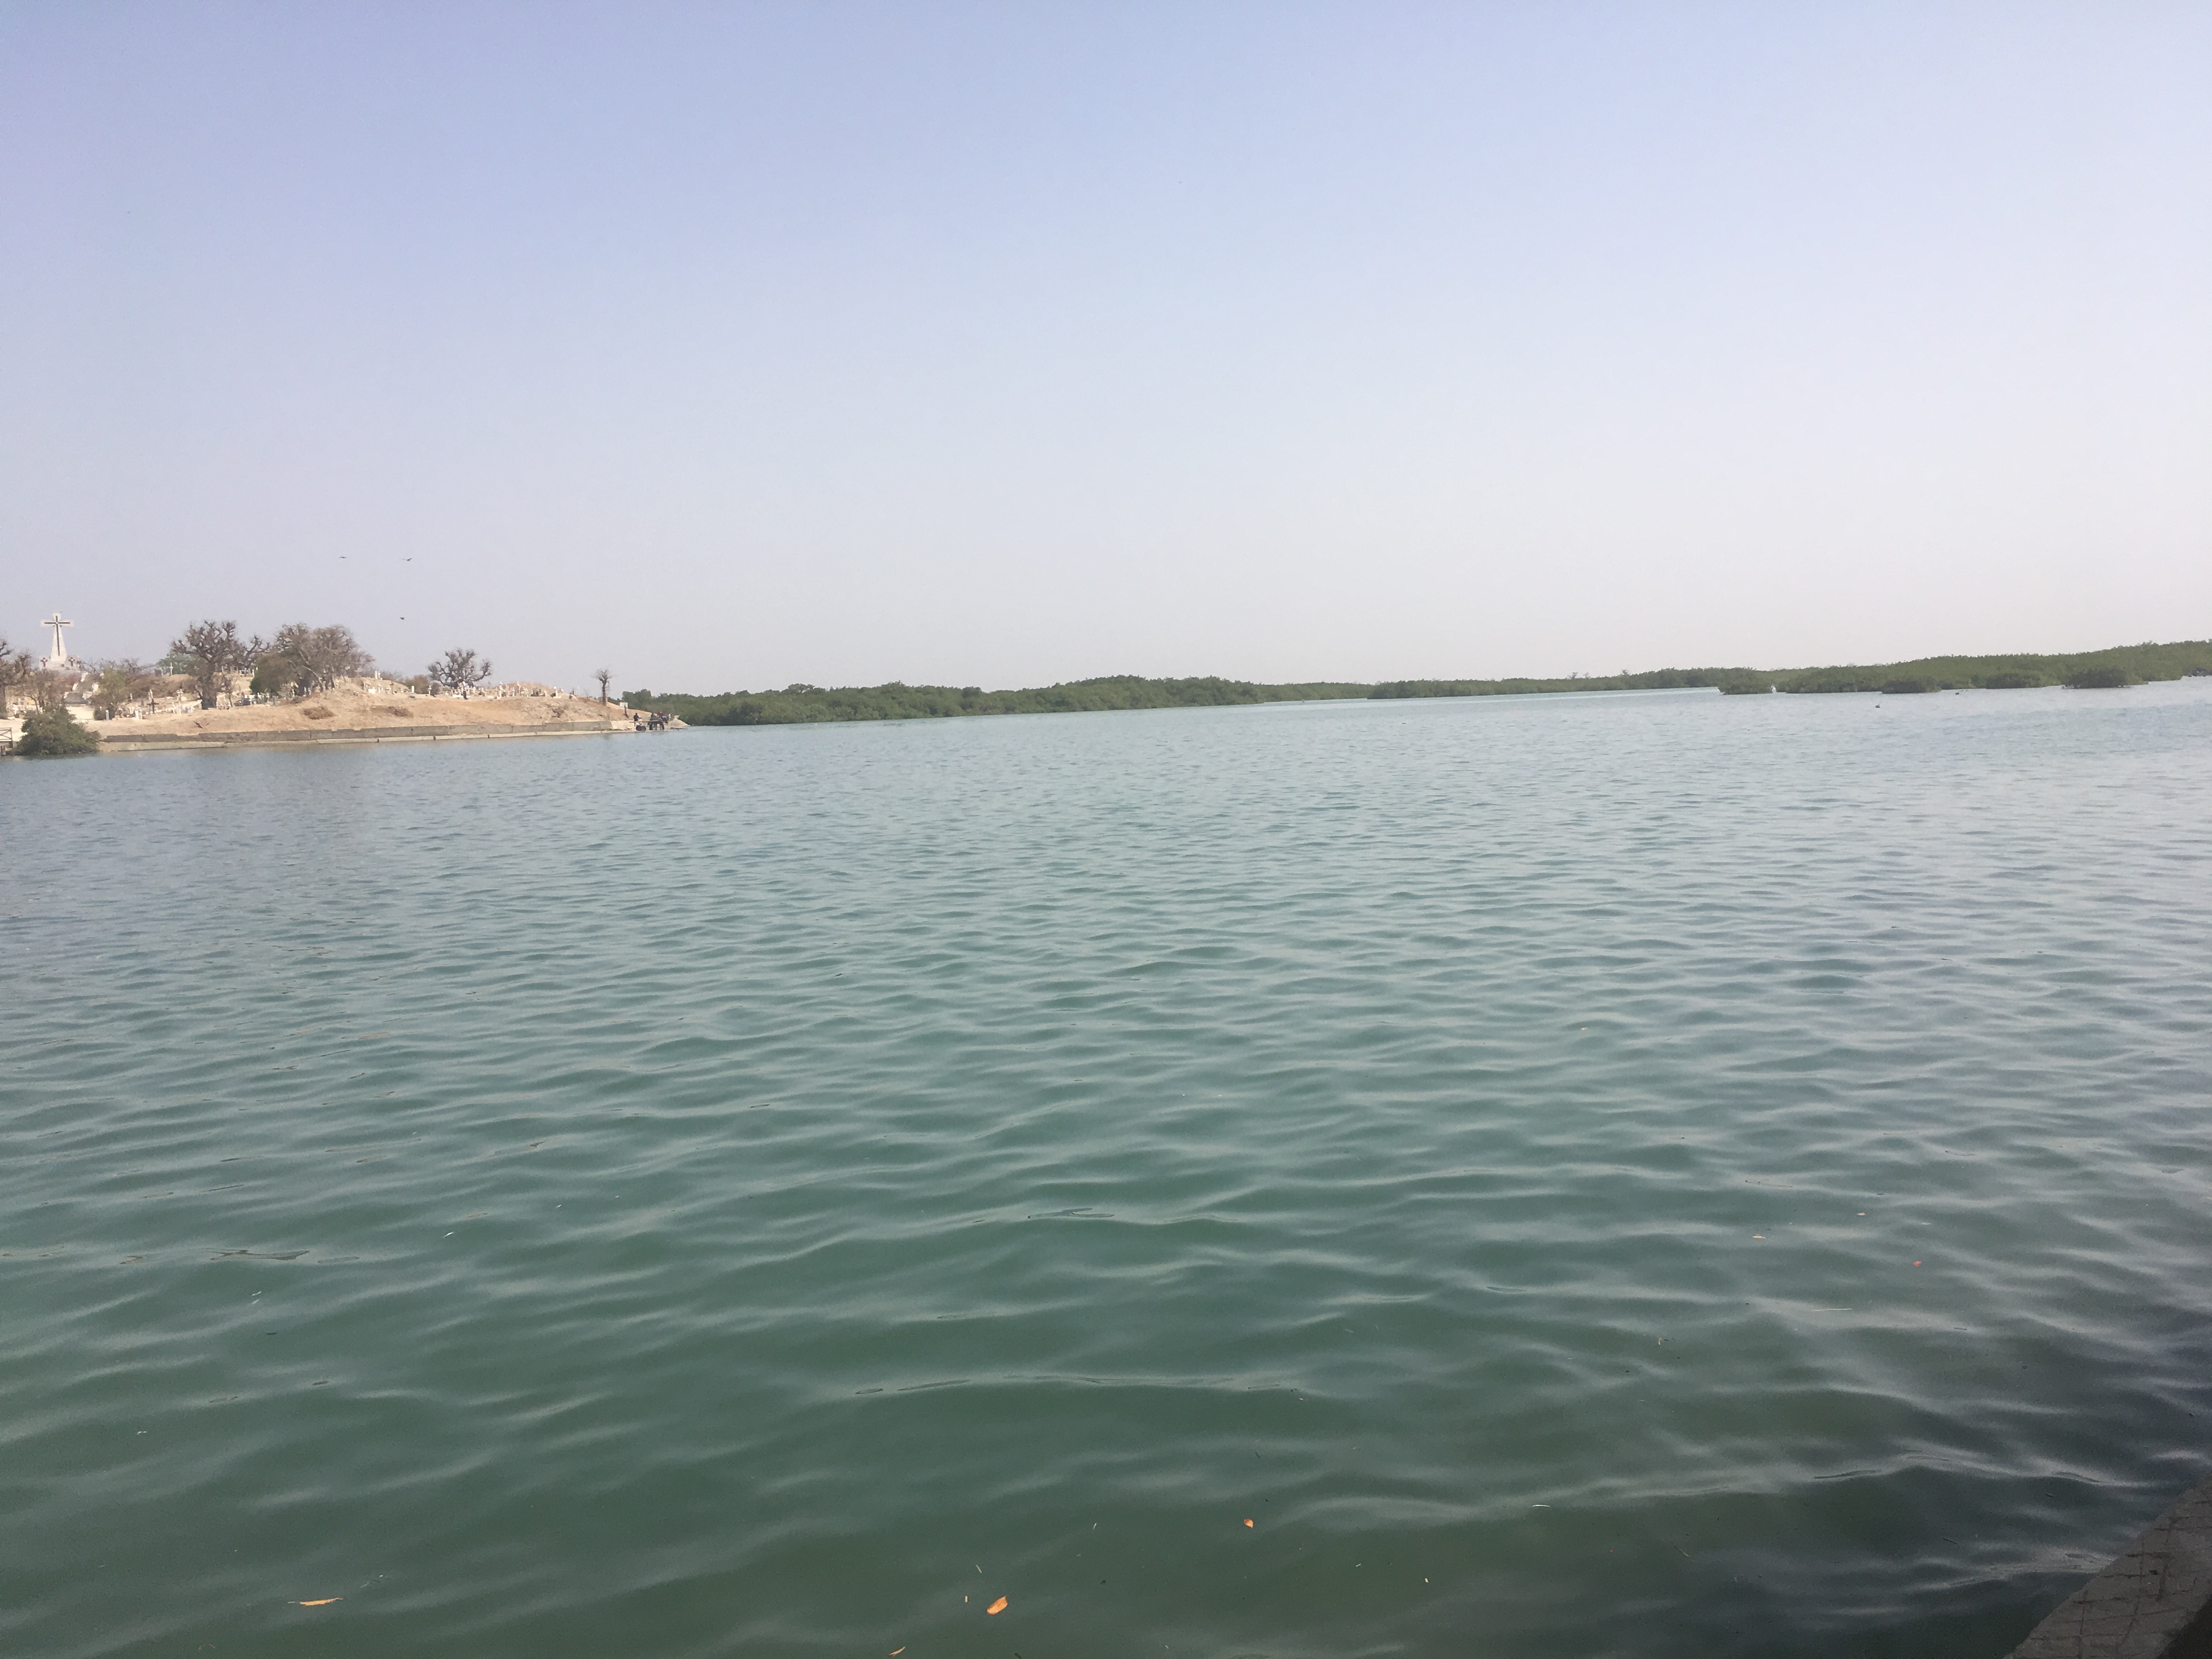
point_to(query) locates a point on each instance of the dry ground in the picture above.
(350, 710)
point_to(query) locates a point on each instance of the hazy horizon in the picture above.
(973, 345)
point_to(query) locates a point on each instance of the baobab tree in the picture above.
(15, 669)
(210, 652)
(605, 676)
(306, 659)
(459, 669)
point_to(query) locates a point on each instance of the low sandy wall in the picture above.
(132, 743)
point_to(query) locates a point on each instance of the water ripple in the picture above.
(1641, 1176)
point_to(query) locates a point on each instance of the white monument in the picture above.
(59, 656)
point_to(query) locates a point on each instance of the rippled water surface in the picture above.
(1654, 1175)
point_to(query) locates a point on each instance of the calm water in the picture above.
(1655, 1176)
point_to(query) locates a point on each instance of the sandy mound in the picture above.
(349, 710)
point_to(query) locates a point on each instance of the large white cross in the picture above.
(59, 656)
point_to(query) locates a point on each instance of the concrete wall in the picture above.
(2155, 1603)
(124, 743)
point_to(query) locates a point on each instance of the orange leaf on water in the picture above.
(999, 1606)
(1248, 1520)
(324, 1602)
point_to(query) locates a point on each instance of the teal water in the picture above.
(1652, 1176)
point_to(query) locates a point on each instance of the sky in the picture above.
(727, 346)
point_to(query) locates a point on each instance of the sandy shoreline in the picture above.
(362, 716)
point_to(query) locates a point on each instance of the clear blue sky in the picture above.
(731, 345)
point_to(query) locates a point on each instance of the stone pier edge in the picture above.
(2154, 1602)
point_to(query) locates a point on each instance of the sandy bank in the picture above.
(355, 716)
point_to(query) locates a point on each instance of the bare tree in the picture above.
(209, 652)
(459, 669)
(605, 676)
(308, 659)
(49, 688)
(14, 670)
(120, 682)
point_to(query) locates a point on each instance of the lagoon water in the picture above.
(1641, 1176)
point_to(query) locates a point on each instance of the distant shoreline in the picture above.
(798, 705)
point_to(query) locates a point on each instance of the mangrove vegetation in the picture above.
(797, 705)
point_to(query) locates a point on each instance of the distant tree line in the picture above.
(802, 704)
(2086, 671)
(2124, 664)
(1657, 679)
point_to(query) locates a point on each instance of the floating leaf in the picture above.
(324, 1602)
(1248, 1520)
(999, 1606)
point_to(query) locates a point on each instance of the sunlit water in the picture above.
(1655, 1176)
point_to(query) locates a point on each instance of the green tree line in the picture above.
(1657, 679)
(2121, 665)
(802, 704)
(797, 705)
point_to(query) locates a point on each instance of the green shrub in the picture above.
(51, 731)
(2100, 679)
(1911, 685)
(2013, 679)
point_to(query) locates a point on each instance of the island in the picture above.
(216, 688)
